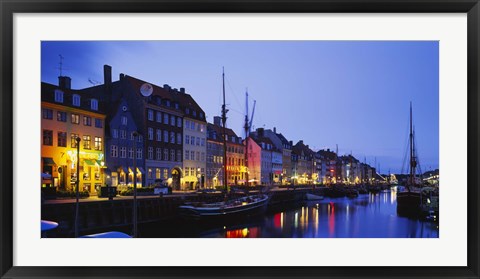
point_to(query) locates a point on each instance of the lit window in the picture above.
(87, 121)
(98, 143)
(86, 142)
(73, 141)
(75, 118)
(157, 173)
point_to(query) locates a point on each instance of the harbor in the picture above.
(289, 214)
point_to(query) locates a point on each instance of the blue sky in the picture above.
(352, 93)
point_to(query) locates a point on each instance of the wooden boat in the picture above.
(112, 234)
(244, 206)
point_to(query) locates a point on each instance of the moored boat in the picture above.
(240, 207)
(312, 197)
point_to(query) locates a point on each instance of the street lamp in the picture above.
(77, 182)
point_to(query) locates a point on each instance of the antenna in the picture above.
(60, 64)
(93, 82)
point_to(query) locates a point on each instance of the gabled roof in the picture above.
(300, 148)
(218, 130)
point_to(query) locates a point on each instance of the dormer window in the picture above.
(76, 100)
(187, 110)
(201, 114)
(194, 113)
(176, 105)
(58, 96)
(94, 104)
(168, 103)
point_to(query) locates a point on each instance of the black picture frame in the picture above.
(10, 7)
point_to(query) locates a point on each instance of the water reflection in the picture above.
(368, 216)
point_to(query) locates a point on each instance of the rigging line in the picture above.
(406, 145)
(233, 93)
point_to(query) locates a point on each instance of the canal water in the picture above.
(367, 216)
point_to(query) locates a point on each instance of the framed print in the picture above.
(239, 139)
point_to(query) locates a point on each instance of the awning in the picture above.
(140, 169)
(89, 162)
(48, 161)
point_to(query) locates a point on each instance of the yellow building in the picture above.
(66, 115)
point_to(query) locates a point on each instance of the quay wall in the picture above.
(106, 215)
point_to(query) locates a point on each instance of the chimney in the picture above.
(182, 90)
(291, 143)
(121, 76)
(260, 132)
(217, 120)
(107, 74)
(275, 130)
(166, 87)
(65, 82)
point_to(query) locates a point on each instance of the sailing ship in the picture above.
(409, 201)
(230, 207)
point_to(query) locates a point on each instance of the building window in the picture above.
(198, 141)
(192, 125)
(165, 154)
(165, 173)
(76, 100)
(98, 143)
(159, 154)
(150, 114)
(203, 157)
(123, 120)
(150, 173)
(139, 153)
(192, 140)
(172, 155)
(157, 173)
(86, 142)
(201, 114)
(150, 153)
(150, 133)
(73, 142)
(192, 171)
(159, 135)
(62, 139)
(139, 138)
(123, 134)
(58, 96)
(187, 171)
(94, 104)
(165, 136)
(179, 138)
(179, 122)
(187, 124)
(47, 137)
(87, 121)
(114, 151)
(172, 120)
(159, 117)
(194, 113)
(47, 113)
(187, 111)
(114, 133)
(75, 118)
(168, 103)
(187, 139)
(179, 155)
(130, 153)
(98, 123)
(123, 152)
(187, 155)
(202, 128)
(176, 105)
(197, 158)
(202, 143)
(165, 118)
(61, 116)
(172, 137)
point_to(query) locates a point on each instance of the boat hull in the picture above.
(217, 212)
(409, 203)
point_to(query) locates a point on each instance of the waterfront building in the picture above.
(277, 172)
(194, 145)
(254, 166)
(329, 161)
(235, 153)
(66, 115)
(214, 172)
(122, 145)
(302, 163)
(286, 159)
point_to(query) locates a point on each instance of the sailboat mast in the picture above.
(411, 147)
(247, 128)
(224, 120)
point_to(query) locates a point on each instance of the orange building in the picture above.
(66, 115)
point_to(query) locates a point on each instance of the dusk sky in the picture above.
(352, 93)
